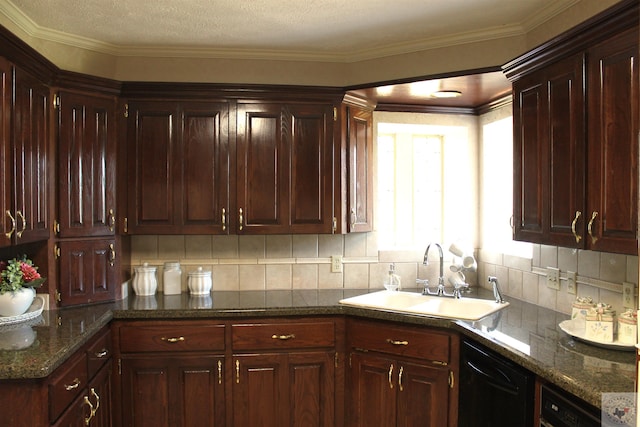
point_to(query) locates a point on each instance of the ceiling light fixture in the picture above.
(446, 94)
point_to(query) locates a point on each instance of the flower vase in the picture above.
(17, 302)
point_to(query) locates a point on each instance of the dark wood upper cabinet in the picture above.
(178, 156)
(612, 172)
(6, 170)
(86, 165)
(360, 169)
(284, 168)
(31, 158)
(575, 138)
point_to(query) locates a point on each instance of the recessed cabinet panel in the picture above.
(86, 165)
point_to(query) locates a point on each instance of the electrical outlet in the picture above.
(572, 285)
(553, 278)
(336, 263)
(628, 291)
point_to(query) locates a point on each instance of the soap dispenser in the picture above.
(392, 282)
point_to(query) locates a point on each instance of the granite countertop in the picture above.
(522, 332)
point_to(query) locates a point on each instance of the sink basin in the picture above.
(426, 305)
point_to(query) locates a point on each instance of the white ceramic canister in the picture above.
(199, 282)
(144, 281)
(172, 278)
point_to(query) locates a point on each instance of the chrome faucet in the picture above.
(440, 289)
(497, 294)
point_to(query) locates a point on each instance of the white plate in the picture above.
(34, 311)
(576, 331)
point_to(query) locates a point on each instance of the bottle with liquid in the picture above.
(392, 282)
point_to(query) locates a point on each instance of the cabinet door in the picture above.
(312, 389)
(311, 135)
(373, 391)
(179, 391)
(99, 394)
(612, 190)
(549, 154)
(31, 158)
(262, 170)
(88, 271)
(6, 172)
(360, 169)
(86, 165)
(151, 139)
(204, 168)
(423, 396)
(260, 390)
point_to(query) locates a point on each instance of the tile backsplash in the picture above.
(304, 262)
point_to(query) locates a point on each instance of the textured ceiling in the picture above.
(329, 29)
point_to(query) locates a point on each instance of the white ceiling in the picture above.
(330, 30)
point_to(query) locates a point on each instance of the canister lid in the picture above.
(172, 265)
(200, 273)
(145, 268)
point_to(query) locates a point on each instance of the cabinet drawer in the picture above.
(400, 340)
(67, 383)
(284, 335)
(98, 352)
(172, 336)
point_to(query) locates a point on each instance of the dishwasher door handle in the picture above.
(492, 380)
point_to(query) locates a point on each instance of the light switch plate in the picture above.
(336, 263)
(553, 278)
(572, 285)
(628, 291)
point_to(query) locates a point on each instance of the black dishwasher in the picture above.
(494, 392)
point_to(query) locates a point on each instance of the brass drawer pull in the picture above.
(283, 337)
(397, 342)
(594, 239)
(92, 413)
(391, 376)
(74, 385)
(24, 223)
(13, 225)
(173, 339)
(573, 227)
(102, 353)
(400, 378)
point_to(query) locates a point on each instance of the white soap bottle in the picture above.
(392, 282)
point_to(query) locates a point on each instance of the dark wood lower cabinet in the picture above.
(391, 392)
(280, 390)
(173, 391)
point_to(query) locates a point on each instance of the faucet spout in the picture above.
(440, 289)
(497, 294)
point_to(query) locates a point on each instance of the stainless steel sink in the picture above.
(426, 305)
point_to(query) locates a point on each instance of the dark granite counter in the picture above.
(524, 333)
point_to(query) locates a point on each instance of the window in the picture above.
(426, 182)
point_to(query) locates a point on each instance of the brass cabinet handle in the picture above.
(573, 227)
(594, 239)
(24, 223)
(240, 218)
(219, 371)
(95, 408)
(56, 251)
(112, 220)
(173, 339)
(390, 376)
(102, 353)
(397, 342)
(283, 337)
(112, 254)
(13, 225)
(354, 217)
(56, 227)
(87, 402)
(224, 219)
(400, 378)
(451, 379)
(237, 372)
(74, 385)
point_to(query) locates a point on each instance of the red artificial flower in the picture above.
(29, 273)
